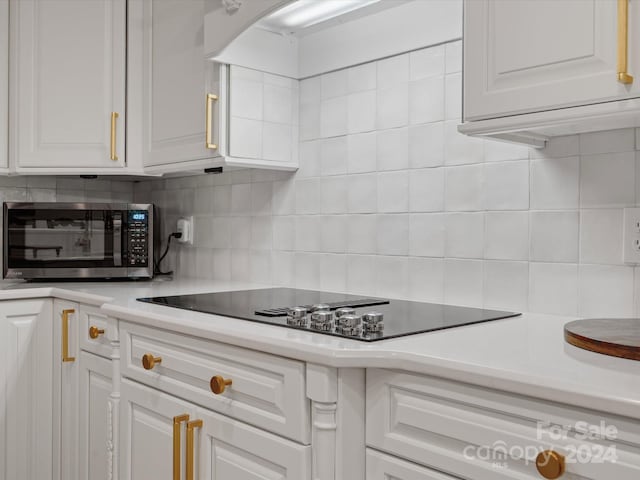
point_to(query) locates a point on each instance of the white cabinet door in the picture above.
(536, 55)
(68, 80)
(26, 391)
(95, 418)
(229, 18)
(171, 82)
(386, 467)
(234, 450)
(4, 83)
(147, 433)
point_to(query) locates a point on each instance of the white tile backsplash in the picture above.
(382, 205)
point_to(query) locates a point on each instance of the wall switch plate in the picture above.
(631, 235)
(185, 227)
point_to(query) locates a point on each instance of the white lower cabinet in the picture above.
(27, 446)
(386, 467)
(163, 437)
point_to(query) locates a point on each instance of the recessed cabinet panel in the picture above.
(176, 81)
(536, 55)
(68, 80)
(4, 83)
(26, 390)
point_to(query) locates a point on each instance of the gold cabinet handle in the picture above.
(209, 120)
(191, 426)
(177, 427)
(219, 384)
(623, 41)
(114, 117)
(149, 361)
(550, 464)
(65, 335)
(95, 332)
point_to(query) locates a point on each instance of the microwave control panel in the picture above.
(138, 238)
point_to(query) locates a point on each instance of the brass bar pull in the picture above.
(95, 332)
(190, 441)
(623, 42)
(65, 335)
(209, 120)
(177, 427)
(114, 155)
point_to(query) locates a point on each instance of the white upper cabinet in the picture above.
(67, 102)
(540, 68)
(535, 55)
(170, 81)
(4, 83)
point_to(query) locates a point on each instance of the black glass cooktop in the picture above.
(270, 305)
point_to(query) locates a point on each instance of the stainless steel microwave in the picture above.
(77, 240)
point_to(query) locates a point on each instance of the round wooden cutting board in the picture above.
(618, 337)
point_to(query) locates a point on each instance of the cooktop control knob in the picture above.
(349, 325)
(297, 316)
(322, 321)
(320, 307)
(373, 322)
(344, 311)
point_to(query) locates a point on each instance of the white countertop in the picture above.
(525, 354)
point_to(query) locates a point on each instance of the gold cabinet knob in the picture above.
(219, 384)
(95, 332)
(550, 464)
(149, 361)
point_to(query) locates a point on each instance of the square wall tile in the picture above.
(284, 229)
(453, 96)
(310, 90)
(607, 180)
(309, 159)
(284, 197)
(308, 233)
(506, 285)
(393, 234)
(261, 194)
(392, 107)
(426, 100)
(307, 197)
(426, 279)
(426, 190)
(362, 152)
(611, 141)
(393, 70)
(426, 235)
(605, 291)
(309, 121)
(241, 199)
(333, 194)
(261, 233)
(392, 277)
(507, 235)
(553, 288)
(307, 270)
(333, 117)
(362, 195)
(426, 62)
(333, 273)
(463, 282)
(554, 236)
(333, 233)
(555, 183)
(393, 149)
(278, 104)
(361, 274)
(461, 149)
(507, 185)
(362, 77)
(464, 235)
(426, 145)
(333, 84)
(361, 112)
(240, 232)
(393, 192)
(601, 236)
(333, 156)
(464, 187)
(362, 234)
(453, 52)
(283, 268)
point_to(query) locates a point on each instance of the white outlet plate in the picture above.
(631, 235)
(185, 226)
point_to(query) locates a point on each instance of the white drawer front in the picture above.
(386, 467)
(105, 331)
(267, 391)
(481, 434)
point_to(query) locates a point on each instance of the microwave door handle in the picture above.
(117, 240)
